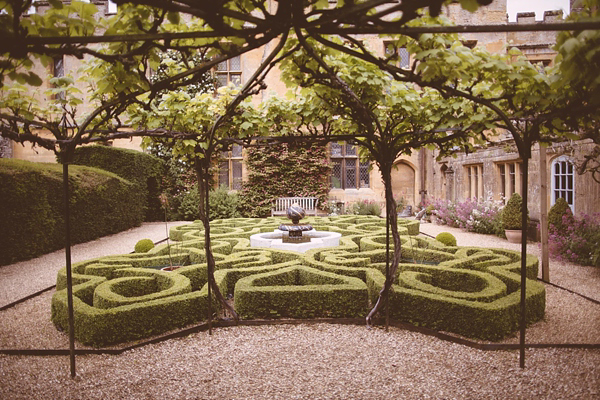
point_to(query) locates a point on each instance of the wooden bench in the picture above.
(280, 206)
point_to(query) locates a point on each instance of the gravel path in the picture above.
(27, 277)
(319, 361)
(303, 361)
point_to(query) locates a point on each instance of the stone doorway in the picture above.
(403, 183)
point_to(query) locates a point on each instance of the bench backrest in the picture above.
(283, 203)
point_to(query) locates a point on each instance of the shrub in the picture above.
(366, 207)
(144, 170)
(222, 205)
(474, 216)
(32, 207)
(473, 291)
(333, 207)
(557, 212)
(400, 202)
(189, 203)
(144, 245)
(300, 292)
(446, 212)
(511, 214)
(447, 238)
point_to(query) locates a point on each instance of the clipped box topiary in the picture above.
(144, 246)
(556, 213)
(447, 238)
(512, 219)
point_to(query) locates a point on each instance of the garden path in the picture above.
(28, 277)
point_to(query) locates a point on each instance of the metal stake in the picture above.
(523, 262)
(68, 261)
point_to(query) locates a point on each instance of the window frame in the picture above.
(348, 160)
(229, 162)
(58, 72)
(569, 175)
(400, 54)
(513, 184)
(474, 187)
(228, 73)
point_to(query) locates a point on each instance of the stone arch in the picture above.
(404, 182)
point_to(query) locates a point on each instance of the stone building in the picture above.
(493, 171)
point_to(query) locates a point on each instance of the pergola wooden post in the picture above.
(544, 214)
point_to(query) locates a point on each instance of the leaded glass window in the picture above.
(347, 170)
(229, 71)
(399, 55)
(230, 168)
(510, 175)
(474, 184)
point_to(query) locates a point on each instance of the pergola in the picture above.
(250, 25)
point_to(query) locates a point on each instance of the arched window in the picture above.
(563, 181)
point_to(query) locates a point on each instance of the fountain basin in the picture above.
(274, 240)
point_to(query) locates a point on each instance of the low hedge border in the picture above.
(300, 292)
(470, 291)
(137, 285)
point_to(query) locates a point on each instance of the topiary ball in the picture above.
(144, 246)
(447, 238)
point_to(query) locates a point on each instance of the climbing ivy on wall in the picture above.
(284, 170)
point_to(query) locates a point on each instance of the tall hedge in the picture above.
(142, 169)
(284, 171)
(32, 207)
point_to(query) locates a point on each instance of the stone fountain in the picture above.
(295, 236)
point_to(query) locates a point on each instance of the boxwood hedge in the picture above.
(32, 207)
(143, 170)
(470, 291)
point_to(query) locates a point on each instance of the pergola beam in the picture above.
(333, 30)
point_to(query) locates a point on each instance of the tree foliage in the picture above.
(390, 118)
(361, 92)
(246, 24)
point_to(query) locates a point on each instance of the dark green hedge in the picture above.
(300, 292)
(32, 207)
(142, 169)
(470, 291)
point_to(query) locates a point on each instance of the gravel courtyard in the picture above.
(301, 361)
